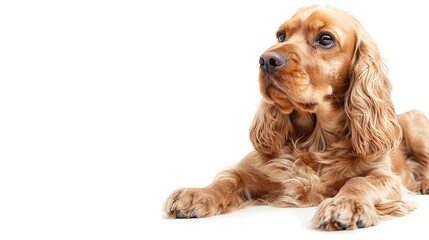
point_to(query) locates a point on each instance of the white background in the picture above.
(108, 106)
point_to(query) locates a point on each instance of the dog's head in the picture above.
(311, 60)
(324, 57)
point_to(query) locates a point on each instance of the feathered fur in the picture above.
(325, 134)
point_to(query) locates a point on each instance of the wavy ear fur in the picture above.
(270, 129)
(372, 123)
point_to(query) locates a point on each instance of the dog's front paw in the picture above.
(344, 214)
(192, 203)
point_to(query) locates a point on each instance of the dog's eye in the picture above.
(326, 41)
(281, 36)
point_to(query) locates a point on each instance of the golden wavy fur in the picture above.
(325, 134)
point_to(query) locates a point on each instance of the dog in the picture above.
(326, 133)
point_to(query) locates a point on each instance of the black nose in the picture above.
(270, 61)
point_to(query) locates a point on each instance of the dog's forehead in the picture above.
(315, 17)
(319, 18)
(304, 13)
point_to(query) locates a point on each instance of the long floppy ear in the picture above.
(372, 123)
(269, 130)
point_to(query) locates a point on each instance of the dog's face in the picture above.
(311, 60)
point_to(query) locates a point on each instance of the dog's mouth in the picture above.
(285, 98)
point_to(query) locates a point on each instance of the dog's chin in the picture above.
(308, 106)
(284, 105)
(284, 110)
(287, 106)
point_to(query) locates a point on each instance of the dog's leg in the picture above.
(361, 202)
(231, 190)
(415, 128)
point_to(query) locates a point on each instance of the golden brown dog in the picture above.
(326, 133)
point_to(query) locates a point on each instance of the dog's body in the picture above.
(325, 133)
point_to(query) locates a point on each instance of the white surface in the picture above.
(108, 106)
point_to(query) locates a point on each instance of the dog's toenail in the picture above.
(343, 226)
(179, 214)
(194, 214)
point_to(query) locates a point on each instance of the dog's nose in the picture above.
(270, 61)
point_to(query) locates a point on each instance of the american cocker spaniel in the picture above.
(325, 134)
